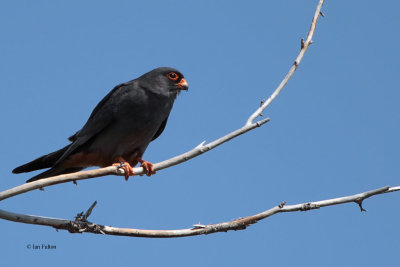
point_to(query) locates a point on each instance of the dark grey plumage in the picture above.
(121, 126)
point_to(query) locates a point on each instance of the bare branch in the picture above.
(293, 68)
(115, 170)
(60, 179)
(80, 226)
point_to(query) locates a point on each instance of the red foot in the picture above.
(126, 167)
(148, 167)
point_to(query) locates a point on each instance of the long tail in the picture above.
(42, 162)
(47, 161)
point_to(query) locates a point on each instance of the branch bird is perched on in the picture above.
(119, 129)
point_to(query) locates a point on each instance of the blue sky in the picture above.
(334, 129)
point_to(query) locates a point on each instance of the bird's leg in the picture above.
(147, 166)
(126, 167)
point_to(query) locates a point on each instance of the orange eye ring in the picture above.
(173, 76)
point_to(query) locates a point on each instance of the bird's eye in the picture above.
(173, 76)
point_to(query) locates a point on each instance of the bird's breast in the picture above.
(131, 131)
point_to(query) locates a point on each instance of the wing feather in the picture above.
(101, 117)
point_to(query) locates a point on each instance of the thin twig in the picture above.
(80, 226)
(83, 216)
(303, 48)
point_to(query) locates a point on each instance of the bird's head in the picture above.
(164, 80)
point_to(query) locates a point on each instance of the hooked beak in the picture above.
(183, 85)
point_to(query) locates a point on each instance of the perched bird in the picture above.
(119, 129)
